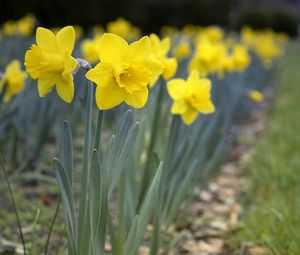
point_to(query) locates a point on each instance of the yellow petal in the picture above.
(194, 76)
(189, 116)
(179, 107)
(109, 96)
(176, 88)
(46, 40)
(165, 46)
(139, 50)
(208, 107)
(137, 99)
(45, 86)
(66, 39)
(65, 88)
(112, 48)
(101, 74)
(170, 68)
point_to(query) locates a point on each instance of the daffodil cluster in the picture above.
(21, 27)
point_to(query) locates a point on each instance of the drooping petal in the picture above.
(45, 86)
(137, 99)
(65, 88)
(112, 48)
(189, 116)
(139, 50)
(208, 107)
(170, 68)
(66, 39)
(101, 74)
(176, 88)
(179, 107)
(109, 96)
(46, 40)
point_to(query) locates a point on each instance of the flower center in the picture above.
(132, 77)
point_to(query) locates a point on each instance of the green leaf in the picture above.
(147, 208)
(66, 150)
(130, 247)
(68, 204)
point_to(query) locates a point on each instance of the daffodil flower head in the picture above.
(14, 79)
(191, 97)
(208, 58)
(160, 50)
(182, 50)
(50, 61)
(90, 49)
(255, 96)
(124, 71)
(123, 28)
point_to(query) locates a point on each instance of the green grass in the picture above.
(272, 217)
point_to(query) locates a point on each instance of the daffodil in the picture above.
(160, 49)
(208, 58)
(26, 25)
(123, 28)
(90, 49)
(13, 79)
(124, 72)
(50, 61)
(255, 96)
(182, 50)
(191, 97)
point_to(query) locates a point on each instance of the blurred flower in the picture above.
(78, 31)
(182, 50)
(168, 31)
(90, 49)
(50, 61)
(208, 58)
(123, 28)
(237, 59)
(23, 26)
(191, 97)
(124, 72)
(14, 79)
(255, 96)
(98, 30)
(160, 49)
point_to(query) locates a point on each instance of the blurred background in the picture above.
(150, 15)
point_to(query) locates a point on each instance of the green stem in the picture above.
(83, 232)
(157, 116)
(97, 145)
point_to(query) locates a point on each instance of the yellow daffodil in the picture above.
(23, 26)
(26, 25)
(256, 96)
(208, 58)
(191, 97)
(124, 72)
(160, 49)
(50, 61)
(182, 50)
(123, 28)
(237, 59)
(241, 57)
(90, 49)
(9, 28)
(13, 79)
(213, 33)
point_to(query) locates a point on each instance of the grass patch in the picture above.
(272, 217)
